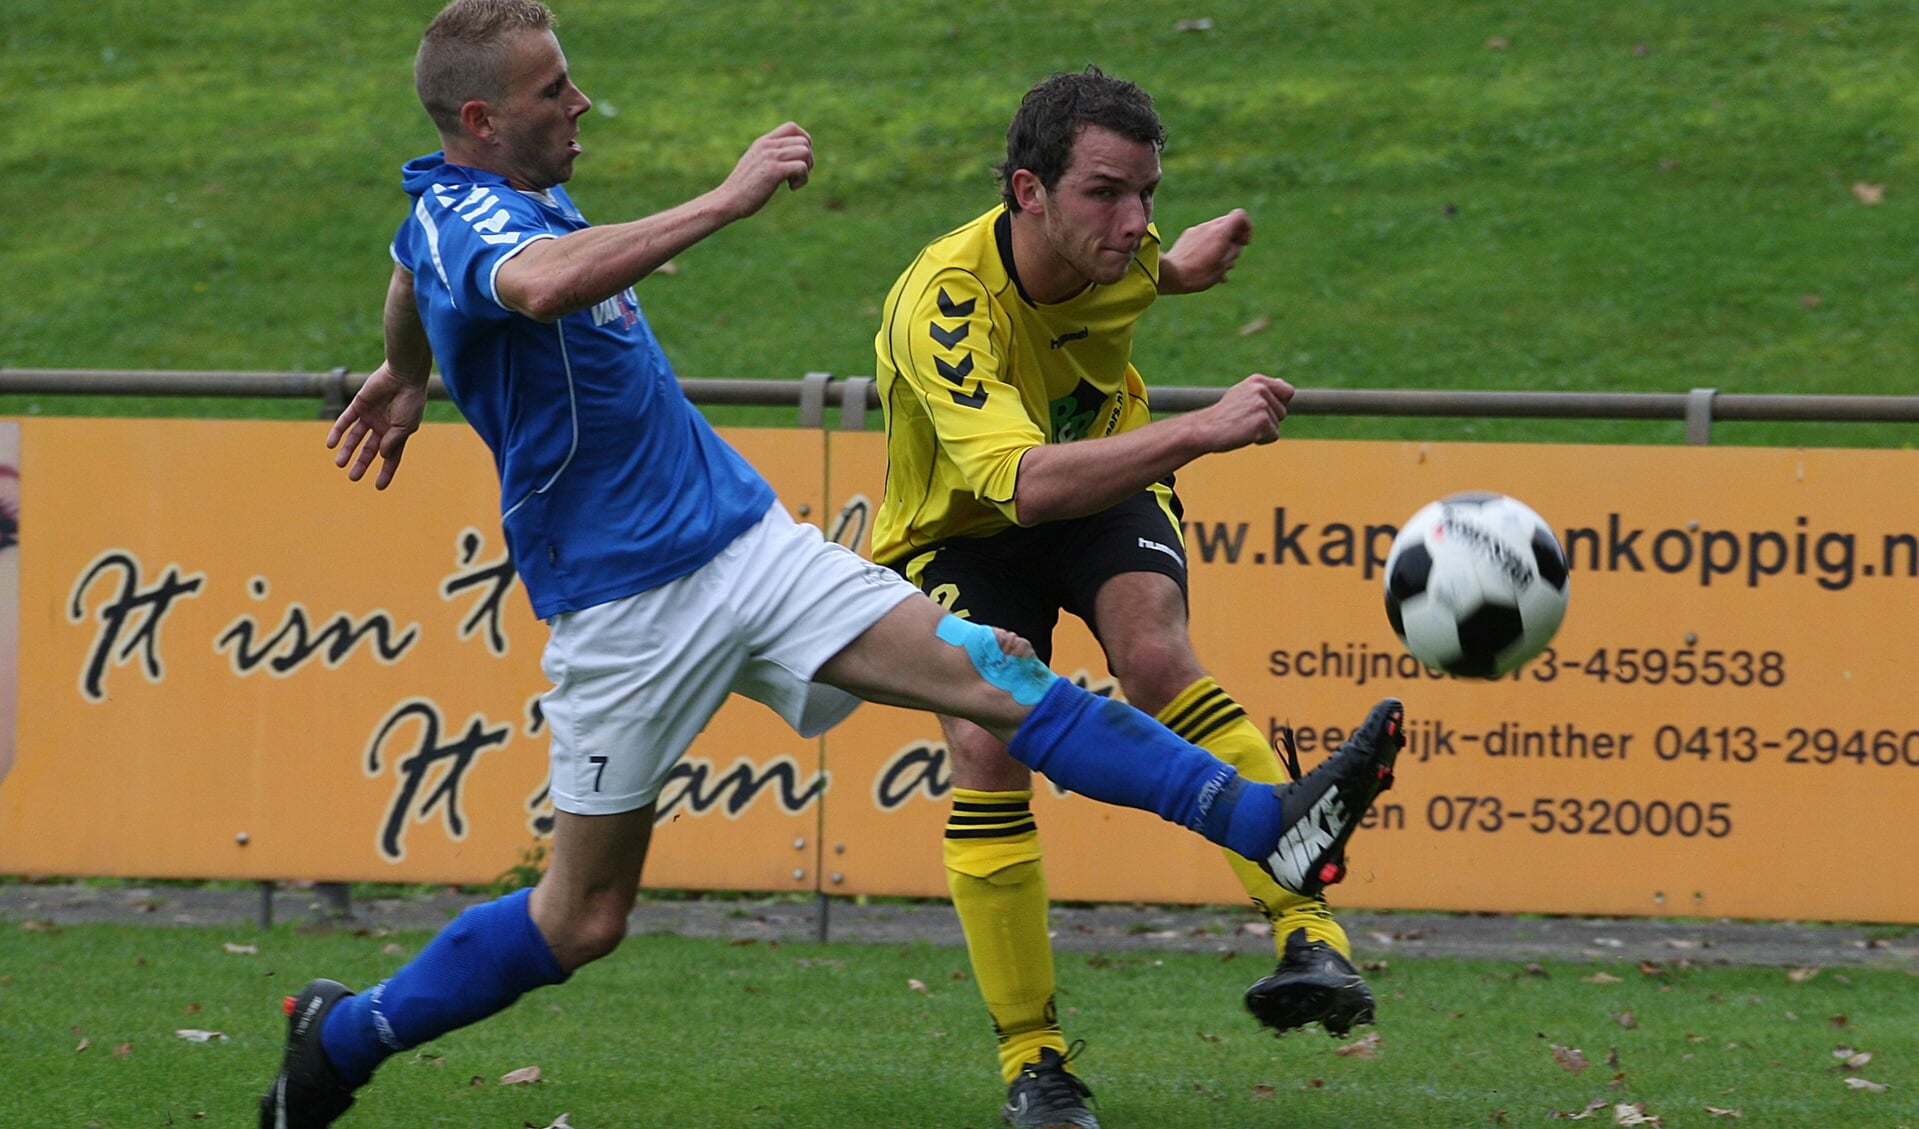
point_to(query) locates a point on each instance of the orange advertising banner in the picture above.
(236, 664)
(1727, 723)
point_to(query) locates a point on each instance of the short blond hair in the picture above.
(462, 56)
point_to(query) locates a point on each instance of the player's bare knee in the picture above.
(595, 934)
(1155, 670)
(979, 761)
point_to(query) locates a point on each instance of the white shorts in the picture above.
(635, 680)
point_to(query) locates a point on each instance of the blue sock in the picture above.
(489, 956)
(1109, 751)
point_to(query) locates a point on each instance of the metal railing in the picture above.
(853, 397)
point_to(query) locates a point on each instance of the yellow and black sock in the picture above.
(999, 892)
(1207, 716)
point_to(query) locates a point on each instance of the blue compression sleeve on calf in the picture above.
(1026, 679)
(1109, 751)
(488, 957)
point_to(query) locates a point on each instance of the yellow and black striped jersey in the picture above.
(972, 374)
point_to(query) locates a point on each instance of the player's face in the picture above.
(1097, 214)
(540, 120)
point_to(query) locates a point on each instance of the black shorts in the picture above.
(1022, 578)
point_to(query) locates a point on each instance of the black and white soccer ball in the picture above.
(1476, 584)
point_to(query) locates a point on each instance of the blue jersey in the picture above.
(610, 482)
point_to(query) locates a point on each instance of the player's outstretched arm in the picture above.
(1065, 480)
(1203, 254)
(555, 277)
(389, 406)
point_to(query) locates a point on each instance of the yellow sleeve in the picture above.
(952, 346)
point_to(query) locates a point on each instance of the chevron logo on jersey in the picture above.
(946, 338)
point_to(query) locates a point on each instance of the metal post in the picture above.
(333, 400)
(853, 402)
(1699, 416)
(813, 398)
(266, 906)
(336, 899)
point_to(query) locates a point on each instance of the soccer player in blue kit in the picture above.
(667, 572)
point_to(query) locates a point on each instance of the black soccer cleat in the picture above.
(1313, 984)
(308, 1094)
(1323, 808)
(1048, 1096)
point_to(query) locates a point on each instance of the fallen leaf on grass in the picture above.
(1262, 1091)
(1200, 24)
(123, 1049)
(1602, 978)
(197, 1035)
(1257, 325)
(560, 1122)
(1801, 975)
(241, 950)
(1207, 1038)
(1634, 1114)
(1592, 1107)
(1366, 1046)
(1864, 1084)
(1868, 194)
(1625, 1019)
(84, 1044)
(919, 986)
(1716, 1111)
(1571, 1058)
(525, 1074)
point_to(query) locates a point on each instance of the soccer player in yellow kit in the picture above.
(1025, 476)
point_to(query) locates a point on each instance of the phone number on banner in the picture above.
(1658, 666)
(1567, 815)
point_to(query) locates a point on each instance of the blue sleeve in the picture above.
(463, 234)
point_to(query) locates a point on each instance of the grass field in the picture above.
(679, 1032)
(1559, 195)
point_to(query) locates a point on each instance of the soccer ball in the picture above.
(1475, 585)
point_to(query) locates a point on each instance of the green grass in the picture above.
(1637, 196)
(685, 1032)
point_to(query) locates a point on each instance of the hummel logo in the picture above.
(955, 374)
(952, 309)
(1147, 543)
(1065, 339)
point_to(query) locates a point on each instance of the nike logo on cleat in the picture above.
(1307, 839)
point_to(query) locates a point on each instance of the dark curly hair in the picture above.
(1051, 116)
